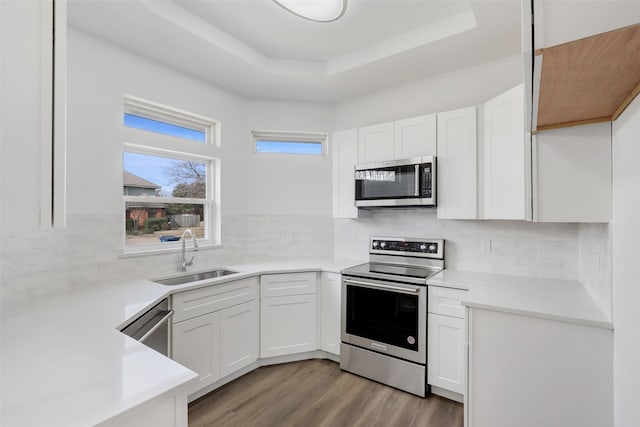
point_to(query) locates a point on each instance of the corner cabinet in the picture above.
(446, 342)
(288, 311)
(215, 329)
(457, 164)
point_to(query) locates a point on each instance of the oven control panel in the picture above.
(416, 247)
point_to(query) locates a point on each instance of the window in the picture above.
(290, 142)
(169, 176)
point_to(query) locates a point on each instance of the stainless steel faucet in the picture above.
(183, 256)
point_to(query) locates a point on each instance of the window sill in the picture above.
(140, 252)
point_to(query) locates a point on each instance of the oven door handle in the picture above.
(415, 290)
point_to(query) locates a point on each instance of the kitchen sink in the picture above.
(194, 277)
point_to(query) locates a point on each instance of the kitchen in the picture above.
(267, 217)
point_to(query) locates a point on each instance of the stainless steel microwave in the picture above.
(409, 182)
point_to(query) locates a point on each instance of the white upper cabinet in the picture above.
(572, 174)
(376, 143)
(415, 136)
(457, 160)
(402, 139)
(505, 157)
(345, 156)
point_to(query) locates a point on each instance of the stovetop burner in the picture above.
(383, 270)
(409, 260)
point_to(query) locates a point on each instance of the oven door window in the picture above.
(383, 316)
(387, 183)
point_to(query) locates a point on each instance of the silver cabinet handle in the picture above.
(383, 287)
(156, 326)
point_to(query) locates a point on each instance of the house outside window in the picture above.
(170, 177)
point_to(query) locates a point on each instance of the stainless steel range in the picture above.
(384, 312)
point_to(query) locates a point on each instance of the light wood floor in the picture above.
(317, 393)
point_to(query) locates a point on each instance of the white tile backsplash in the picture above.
(517, 247)
(87, 252)
(595, 264)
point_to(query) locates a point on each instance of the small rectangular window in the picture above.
(305, 143)
(160, 119)
(164, 128)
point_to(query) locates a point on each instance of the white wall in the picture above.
(287, 183)
(562, 21)
(265, 213)
(626, 266)
(457, 89)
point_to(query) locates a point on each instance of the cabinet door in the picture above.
(505, 187)
(375, 143)
(330, 299)
(345, 156)
(416, 136)
(287, 325)
(572, 174)
(445, 364)
(196, 345)
(457, 160)
(238, 337)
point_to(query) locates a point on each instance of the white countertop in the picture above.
(562, 300)
(65, 363)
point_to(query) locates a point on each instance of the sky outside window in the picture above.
(289, 147)
(142, 123)
(163, 171)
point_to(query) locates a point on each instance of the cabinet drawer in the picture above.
(197, 302)
(446, 301)
(278, 285)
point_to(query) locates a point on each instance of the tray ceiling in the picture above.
(256, 48)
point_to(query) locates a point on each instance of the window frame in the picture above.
(290, 136)
(156, 144)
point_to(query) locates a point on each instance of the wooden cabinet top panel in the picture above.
(589, 80)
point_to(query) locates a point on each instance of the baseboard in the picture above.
(452, 395)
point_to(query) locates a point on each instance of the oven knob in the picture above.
(432, 248)
(383, 244)
(375, 244)
(423, 247)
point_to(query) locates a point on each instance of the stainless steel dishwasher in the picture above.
(152, 327)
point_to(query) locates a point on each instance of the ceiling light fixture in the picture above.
(315, 10)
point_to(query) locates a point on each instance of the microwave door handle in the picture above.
(417, 181)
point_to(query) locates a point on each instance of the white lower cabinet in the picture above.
(330, 299)
(446, 340)
(196, 345)
(220, 342)
(238, 337)
(288, 312)
(287, 325)
(446, 352)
